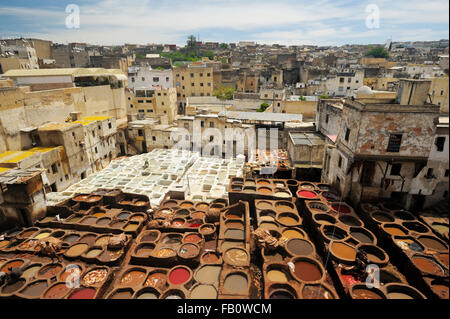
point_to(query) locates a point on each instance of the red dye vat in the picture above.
(195, 225)
(86, 293)
(350, 280)
(193, 238)
(179, 276)
(306, 194)
(341, 209)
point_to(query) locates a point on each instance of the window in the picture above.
(156, 79)
(340, 161)
(347, 134)
(131, 105)
(209, 84)
(182, 78)
(429, 173)
(162, 103)
(202, 124)
(211, 138)
(140, 101)
(201, 74)
(154, 138)
(143, 79)
(341, 80)
(159, 94)
(192, 75)
(140, 133)
(394, 143)
(446, 173)
(349, 80)
(327, 118)
(211, 124)
(192, 84)
(442, 92)
(132, 79)
(186, 126)
(440, 141)
(201, 84)
(54, 168)
(109, 125)
(148, 101)
(395, 169)
(209, 74)
(96, 150)
(167, 79)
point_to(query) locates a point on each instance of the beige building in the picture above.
(439, 92)
(156, 102)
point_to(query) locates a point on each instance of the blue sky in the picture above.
(290, 22)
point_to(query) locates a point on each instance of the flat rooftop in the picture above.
(262, 116)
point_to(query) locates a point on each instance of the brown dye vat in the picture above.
(443, 258)
(11, 264)
(102, 241)
(140, 203)
(350, 221)
(432, 243)
(236, 234)
(236, 283)
(207, 229)
(267, 218)
(35, 289)
(188, 251)
(15, 286)
(172, 239)
(375, 254)
(263, 182)
(178, 222)
(293, 233)
(144, 250)
(170, 203)
(284, 206)
(117, 224)
(71, 238)
(316, 292)
(83, 293)
(324, 219)
(264, 205)
(4, 243)
(282, 294)
(88, 239)
(186, 204)
(265, 190)
(333, 232)
(299, 247)
(95, 276)
(156, 279)
(81, 198)
(203, 292)
(198, 215)
(49, 271)
(57, 291)
(109, 255)
(92, 253)
(93, 198)
(232, 215)
(208, 274)
(230, 244)
(103, 221)
(361, 235)
(125, 202)
(440, 288)
(277, 275)
(202, 206)
(382, 217)
(366, 293)
(165, 252)
(268, 226)
(395, 230)
(287, 219)
(272, 256)
(307, 270)
(343, 251)
(74, 219)
(401, 291)
(210, 258)
(150, 237)
(131, 227)
(427, 265)
(98, 215)
(77, 250)
(121, 294)
(88, 221)
(137, 218)
(123, 215)
(133, 278)
(236, 257)
(192, 238)
(31, 271)
(416, 226)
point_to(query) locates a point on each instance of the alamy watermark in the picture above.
(73, 17)
(373, 17)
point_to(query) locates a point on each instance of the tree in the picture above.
(377, 52)
(192, 42)
(224, 46)
(224, 93)
(302, 98)
(263, 107)
(323, 96)
(209, 54)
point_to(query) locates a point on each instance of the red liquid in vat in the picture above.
(179, 276)
(307, 194)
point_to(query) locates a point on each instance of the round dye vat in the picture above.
(363, 293)
(125, 202)
(399, 295)
(264, 205)
(323, 219)
(236, 234)
(35, 289)
(299, 247)
(202, 206)
(427, 265)
(307, 186)
(262, 182)
(42, 235)
(150, 237)
(71, 238)
(147, 295)
(102, 241)
(350, 221)
(316, 292)
(383, 218)
(74, 219)
(236, 283)
(198, 215)
(234, 224)
(441, 290)
(186, 204)
(144, 250)
(84, 293)
(4, 243)
(317, 207)
(292, 233)
(265, 190)
(361, 236)
(432, 244)
(208, 274)
(210, 258)
(343, 209)
(203, 292)
(109, 255)
(268, 226)
(99, 214)
(137, 218)
(93, 198)
(179, 276)
(343, 251)
(443, 258)
(395, 231)
(267, 219)
(49, 271)
(88, 239)
(30, 272)
(277, 276)
(178, 222)
(307, 271)
(156, 279)
(140, 203)
(89, 221)
(10, 288)
(77, 250)
(57, 291)
(123, 215)
(172, 239)
(440, 228)
(133, 278)
(207, 229)
(287, 220)
(306, 194)
(131, 227)
(189, 251)
(281, 294)
(103, 221)
(165, 252)
(81, 198)
(73, 272)
(236, 256)
(12, 264)
(194, 224)
(95, 276)
(192, 238)
(92, 253)
(231, 244)
(282, 194)
(27, 233)
(233, 216)
(117, 224)
(284, 206)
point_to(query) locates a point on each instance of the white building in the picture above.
(343, 84)
(146, 77)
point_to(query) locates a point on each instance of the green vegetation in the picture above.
(140, 56)
(302, 98)
(224, 93)
(208, 54)
(323, 96)
(263, 107)
(178, 56)
(377, 52)
(224, 46)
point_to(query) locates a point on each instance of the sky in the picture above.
(287, 22)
